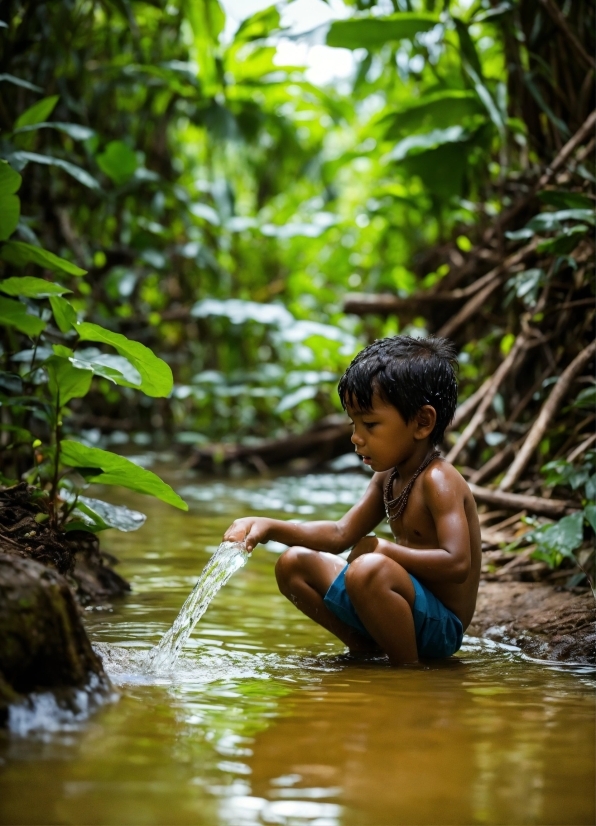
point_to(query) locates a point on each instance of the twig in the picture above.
(546, 415)
(469, 404)
(489, 394)
(493, 465)
(497, 275)
(516, 501)
(559, 18)
(576, 452)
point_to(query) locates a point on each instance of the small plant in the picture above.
(41, 379)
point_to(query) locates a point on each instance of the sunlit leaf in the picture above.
(118, 161)
(259, 25)
(372, 32)
(19, 253)
(436, 111)
(107, 468)
(37, 113)
(30, 287)
(156, 375)
(73, 130)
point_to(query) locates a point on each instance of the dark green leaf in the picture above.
(590, 516)
(116, 470)
(14, 314)
(437, 111)
(19, 253)
(75, 171)
(565, 200)
(17, 81)
(10, 205)
(586, 399)
(73, 130)
(372, 32)
(564, 243)
(30, 287)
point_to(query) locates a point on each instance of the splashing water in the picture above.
(228, 558)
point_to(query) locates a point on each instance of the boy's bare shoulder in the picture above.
(442, 480)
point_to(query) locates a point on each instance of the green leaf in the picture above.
(372, 32)
(73, 130)
(118, 161)
(564, 537)
(65, 314)
(76, 172)
(117, 369)
(116, 470)
(30, 287)
(552, 221)
(586, 399)
(565, 200)
(156, 375)
(18, 81)
(101, 515)
(66, 381)
(19, 253)
(10, 205)
(564, 243)
(590, 516)
(14, 314)
(437, 111)
(37, 113)
(207, 21)
(259, 25)
(416, 144)
(467, 47)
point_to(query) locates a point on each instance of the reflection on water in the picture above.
(265, 721)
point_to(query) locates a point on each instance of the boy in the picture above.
(413, 597)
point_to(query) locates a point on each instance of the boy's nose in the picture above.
(356, 439)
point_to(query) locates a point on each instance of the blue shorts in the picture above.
(439, 632)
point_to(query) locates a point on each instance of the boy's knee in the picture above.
(366, 572)
(288, 564)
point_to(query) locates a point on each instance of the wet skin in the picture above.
(437, 539)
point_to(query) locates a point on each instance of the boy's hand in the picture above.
(251, 530)
(366, 545)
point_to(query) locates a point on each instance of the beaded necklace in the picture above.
(395, 507)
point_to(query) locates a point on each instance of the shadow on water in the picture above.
(264, 720)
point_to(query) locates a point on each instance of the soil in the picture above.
(25, 531)
(544, 621)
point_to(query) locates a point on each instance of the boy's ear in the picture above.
(426, 419)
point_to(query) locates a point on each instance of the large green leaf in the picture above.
(109, 469)
(14, 314)
(259, 25)
(37, 113)
(156, 375)
(10, 205)
(30, 287)
(207, 21)
(372, 32)
(65, 314)
(118, 161)
(436, 111)
(19, 253)
(73, 130)
(67, 382)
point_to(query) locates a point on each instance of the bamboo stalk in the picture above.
(545, 416)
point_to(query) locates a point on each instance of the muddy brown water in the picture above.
(265, 722)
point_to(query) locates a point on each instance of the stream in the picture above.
(265, 721)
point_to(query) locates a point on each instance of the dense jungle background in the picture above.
(236, 204)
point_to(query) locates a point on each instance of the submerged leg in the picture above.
(383, 595)
(304, 576)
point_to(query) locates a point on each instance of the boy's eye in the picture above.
(369, 424)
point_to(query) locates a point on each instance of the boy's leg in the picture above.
(383, 595)
(304, 577)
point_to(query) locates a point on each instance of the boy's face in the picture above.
(383, 438)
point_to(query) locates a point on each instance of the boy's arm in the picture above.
(333, 537)
(444, 494)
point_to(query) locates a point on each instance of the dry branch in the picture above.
(555, 508)
(469, 405)
(546, 415)
(490, 393)
(559, 18)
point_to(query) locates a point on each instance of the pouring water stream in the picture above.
(228, 558)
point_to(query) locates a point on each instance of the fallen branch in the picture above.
(555, 508)
(546, 415)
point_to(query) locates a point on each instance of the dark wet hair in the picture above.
(407, 373)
